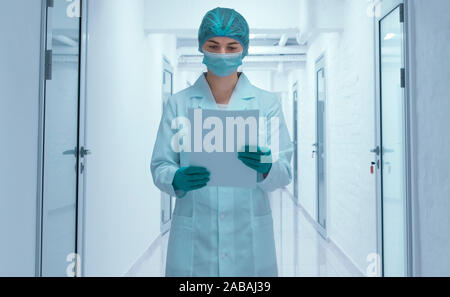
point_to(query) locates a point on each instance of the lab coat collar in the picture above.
(243, 89)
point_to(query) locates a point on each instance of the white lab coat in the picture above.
(218, 231)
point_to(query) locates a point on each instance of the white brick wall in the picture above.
(350, 133)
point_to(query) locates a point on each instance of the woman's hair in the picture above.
(224, 22)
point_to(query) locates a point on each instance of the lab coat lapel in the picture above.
(240, 100)
(243, 94)
(202, 95)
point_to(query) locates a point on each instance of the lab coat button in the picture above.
(224, 256)
(222, 216)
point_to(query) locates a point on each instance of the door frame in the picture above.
(387, 7)
(81, 203)
(320, 63)
(79, 233)
(40, 173)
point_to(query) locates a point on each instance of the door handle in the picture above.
(71, 152)
(376, 150)
(84, 152)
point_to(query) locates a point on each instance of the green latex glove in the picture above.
(261, 160)
(189, 179)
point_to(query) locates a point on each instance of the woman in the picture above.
(219, 231)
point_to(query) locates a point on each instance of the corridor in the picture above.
(95, 93)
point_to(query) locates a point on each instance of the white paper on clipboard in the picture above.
(225, 167)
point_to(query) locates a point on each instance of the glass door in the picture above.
(320, 148)
(393, 139)
(61, 139)
(166, 200)
(295, 121)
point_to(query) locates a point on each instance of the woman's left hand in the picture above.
(257, 158)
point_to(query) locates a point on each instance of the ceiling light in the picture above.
(389, 36)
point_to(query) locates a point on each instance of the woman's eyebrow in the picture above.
(231, 43)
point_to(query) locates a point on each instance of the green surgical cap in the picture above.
(224, 22)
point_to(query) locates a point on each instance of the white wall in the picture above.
(188, 14)
(321, 15)
(350, 133)
(431, 106)
(158, 46)
(184, 78)
(260, 78)
(20, 26)
(123, 99)
(306, 137)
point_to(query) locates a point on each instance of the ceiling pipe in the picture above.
(302, 38)
(283, 40)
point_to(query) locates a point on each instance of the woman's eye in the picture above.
(232, 48)
(213, 46)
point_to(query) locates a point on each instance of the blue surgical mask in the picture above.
(222, 64)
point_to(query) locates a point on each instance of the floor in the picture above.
(301, 250)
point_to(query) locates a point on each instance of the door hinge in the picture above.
(402, 78)
(50, 3)
(48, 64)
(402, 13)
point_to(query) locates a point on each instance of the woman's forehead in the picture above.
(223, 40)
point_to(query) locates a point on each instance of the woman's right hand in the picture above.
(189, 179)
